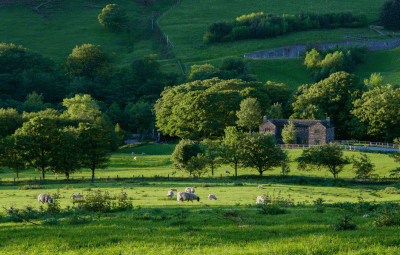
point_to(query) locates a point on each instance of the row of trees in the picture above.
(258, 25)
(258, 151)
(43, 145)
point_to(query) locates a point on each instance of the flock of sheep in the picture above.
(188, 195)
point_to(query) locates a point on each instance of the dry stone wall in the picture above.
(293, 51)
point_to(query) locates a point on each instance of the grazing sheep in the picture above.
(182, 196)
(212, 197)
(8, 209)
(76, 196)
(174, 190)
(135, 158)
(260, 186)
(143, 153)
(261, 200)
(43, 197)
(170, 194)
(227, 172)
(189, 190)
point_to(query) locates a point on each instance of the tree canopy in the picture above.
(333, 96)
(325, 156)
(202, 109)
(378, 109)
(113, 18)
(259, 152)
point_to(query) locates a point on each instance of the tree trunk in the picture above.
(17, 174)
(250, 131)
(92, 175)
(43, 174)
(67, 175)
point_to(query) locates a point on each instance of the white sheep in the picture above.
(261, 200)
(260, 186)
(143, 153)
(212, 197)
(174, 190)
(135, 158)
(76, 196)
(170, 194)
(182, 196)
(189, 190)
(227, 172)
(43, 197)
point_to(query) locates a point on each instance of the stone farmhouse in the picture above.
(309, 132)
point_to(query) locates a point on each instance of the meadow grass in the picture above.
(196, 228)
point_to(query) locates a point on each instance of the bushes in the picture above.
(258, 25)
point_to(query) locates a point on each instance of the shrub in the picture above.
(87, 189)
(26, 187)
(51, 222)
(345, 223)
(270, 210)
(392, 190)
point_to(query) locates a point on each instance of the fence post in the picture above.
(14, 181)
(246, 177)
(168, 177)
(117, 177)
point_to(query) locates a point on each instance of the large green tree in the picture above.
(81, 107)
(260, 153)
(202, 109)
(35, 141)
(333, 96)
(276, 112)
(93, 141)
(67, 153)
(232, 148)
(212, 150)
(34, 103)
(249, 114)
(183, 152)
(87, 61)
(279, 94)
(10, 156)
(113, 18)
(328, 156)
(378, 110)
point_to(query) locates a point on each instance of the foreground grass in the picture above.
(196, 228)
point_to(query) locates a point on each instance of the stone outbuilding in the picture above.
(309, 132)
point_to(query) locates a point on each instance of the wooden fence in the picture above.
(343, 144)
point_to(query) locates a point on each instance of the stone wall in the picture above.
(293, 51)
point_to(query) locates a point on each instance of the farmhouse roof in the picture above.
(301, 123)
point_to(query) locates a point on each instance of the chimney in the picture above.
(328, 119)
(265, 119)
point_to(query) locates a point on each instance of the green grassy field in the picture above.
(157, 162)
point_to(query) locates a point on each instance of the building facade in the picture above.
(309, 132)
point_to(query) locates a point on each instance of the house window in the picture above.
(317, 131)
(317, 142)
(267, 129)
